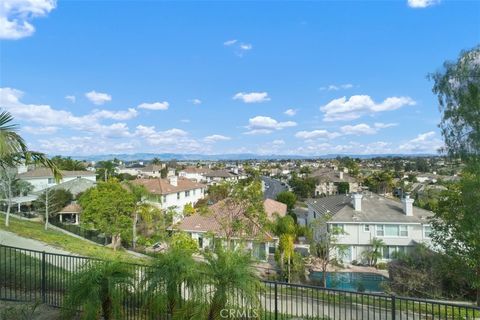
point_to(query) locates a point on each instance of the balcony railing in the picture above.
(34, 276)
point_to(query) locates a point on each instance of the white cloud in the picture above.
(15, 16)
(40, 130)
(246, 46)
(358, 129)
(290, 112)
(252, 97)
(422, 3)
(98, 98)
(334, 87)
(154, 106)
(357, 105)
(278, 142)
(115, 115)
(265, 125)
(185, 120)
(317, 134)
(230, 42)
(196, 101)
(239, 48)
(423, 143)
(45, 115)
(215, 138)
(72, 99)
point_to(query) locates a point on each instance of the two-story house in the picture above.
(364, 217)
(42, 178)
(327, 180)
(195, 173)
(173, 192)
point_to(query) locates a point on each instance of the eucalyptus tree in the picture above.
(456, 224)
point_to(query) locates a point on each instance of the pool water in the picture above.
(352, 281)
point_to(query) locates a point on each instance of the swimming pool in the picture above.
(352, 281)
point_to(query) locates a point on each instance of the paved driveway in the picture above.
(11, 239)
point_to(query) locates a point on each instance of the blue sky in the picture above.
(309, 78)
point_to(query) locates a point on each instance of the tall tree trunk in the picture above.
(7, 218)
(46, 208)
(478, 287)
(324, 276)
(116, 240)
(9, 205)
(134, 230)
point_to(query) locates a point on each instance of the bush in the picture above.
(381, 266)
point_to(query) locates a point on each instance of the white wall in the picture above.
(43, 183)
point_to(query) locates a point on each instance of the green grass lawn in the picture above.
(35, 230)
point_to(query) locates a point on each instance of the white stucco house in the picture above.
(363, 217)
(173, 192)
(205, 227)
(195, 173)
(42, 178)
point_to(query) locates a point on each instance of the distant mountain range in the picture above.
(230, 157)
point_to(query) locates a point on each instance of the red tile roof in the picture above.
(163, 186)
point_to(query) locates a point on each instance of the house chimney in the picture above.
(173, 180)
(357, 201)
(408, 205)
(340, 175)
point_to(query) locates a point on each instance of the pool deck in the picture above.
(352, 268)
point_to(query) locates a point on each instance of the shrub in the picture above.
(381, 266)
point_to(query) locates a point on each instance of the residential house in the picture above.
(217, 176)
(364, 217)
(328, 180)
(173, 192)
(195, 173)
(205, 227)
(42, 178)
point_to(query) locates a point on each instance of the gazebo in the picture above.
(70, 214)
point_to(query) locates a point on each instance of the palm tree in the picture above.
(374, 252)
(14, 151)
(98, 291)
(231, 276)
(172, 271)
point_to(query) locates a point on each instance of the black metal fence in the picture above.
(34, 276)
(91, 235)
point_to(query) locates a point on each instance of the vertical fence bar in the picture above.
(276, 302)
(393, 306)
(44, 278)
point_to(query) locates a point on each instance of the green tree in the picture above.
(108, 208)
(374, 252)
(324, 245)
(284, 225)
(284, 254)
(14, 151)
(219, 191)
(343, 187)
(183, 242)
(303, 188)
(98, 288)
(106, 170)
(51, 201)
(188, 209)
(380, 182)
(171, 271)
(456, 225)
(156, 161)
(289, 198)
(231, 275)
(67, 163)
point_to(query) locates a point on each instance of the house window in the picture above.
(178, 195)
(187, 193)
(164, 199)
(194, 191)
(427, 231)
(403, 231)
(51, 180)
(366, 227)
(338, 227)
(380, 231)
(392, 252)
(391, 230)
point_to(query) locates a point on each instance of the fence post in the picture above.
(394, 302)
(276, 301)
(44, 278)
